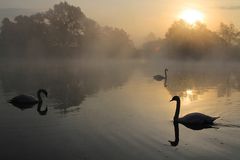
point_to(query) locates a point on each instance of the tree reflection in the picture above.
(68, 85)
(190, 83)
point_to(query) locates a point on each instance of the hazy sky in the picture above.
(140, 17)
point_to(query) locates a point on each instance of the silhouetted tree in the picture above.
(66, 25)
(187, 41)
(61, 31)
(229, 33)
(150, 37)
(184, 41)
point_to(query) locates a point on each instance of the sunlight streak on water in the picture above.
(118, 113)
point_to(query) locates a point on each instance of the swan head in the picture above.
(43, 91)
(166, 69)
(175, 98)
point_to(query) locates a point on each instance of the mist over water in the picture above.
(108, 99)
(116, 110)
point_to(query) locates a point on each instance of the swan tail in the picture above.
(10, 101)
(214, 118)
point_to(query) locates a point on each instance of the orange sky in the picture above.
(140, 17)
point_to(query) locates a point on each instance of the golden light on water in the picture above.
(189, 96)
(191, 16)
(189, 92)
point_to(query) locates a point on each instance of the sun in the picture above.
(191, 16)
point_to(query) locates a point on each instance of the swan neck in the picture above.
(177, 112)
(39, 96)
(165, 73)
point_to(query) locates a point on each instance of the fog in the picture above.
(64, 38)
(101, 98)
(65, 32)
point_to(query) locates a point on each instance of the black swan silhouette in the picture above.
(192, 120)
(26, 100)
(160, 77)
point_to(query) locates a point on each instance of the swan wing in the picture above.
(197, 118)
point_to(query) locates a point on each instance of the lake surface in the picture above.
(110, 111)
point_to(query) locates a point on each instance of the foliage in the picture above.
(190, 41)
(61, 31)
(230, 34)
(184, 41)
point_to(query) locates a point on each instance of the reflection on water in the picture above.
(176, 133)
(68, 85)
(191, 84)
(193, 127)
(165, 81)
(110, 111)
(28, 106)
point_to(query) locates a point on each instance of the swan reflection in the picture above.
(165, 83)
(69, 84)
(194, 121)
(28, 106)
(193, 127)
(176, 131)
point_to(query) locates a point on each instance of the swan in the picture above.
(193, 127)
(160, 77)
(192, 119)
(27, 101)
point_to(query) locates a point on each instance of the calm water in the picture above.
(119, 112)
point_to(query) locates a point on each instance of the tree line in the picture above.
(184, 41)
(63, 31)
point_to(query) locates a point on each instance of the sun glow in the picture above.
(189, 92)
(191, 16)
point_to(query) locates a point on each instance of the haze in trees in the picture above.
(63, 31)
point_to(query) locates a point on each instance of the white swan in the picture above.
(192, 118)
(28, 100)
(160, 77)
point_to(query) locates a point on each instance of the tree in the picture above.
(66, 24)
(188, 41)
(150, 37)
(61, 31)
(229, 33)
